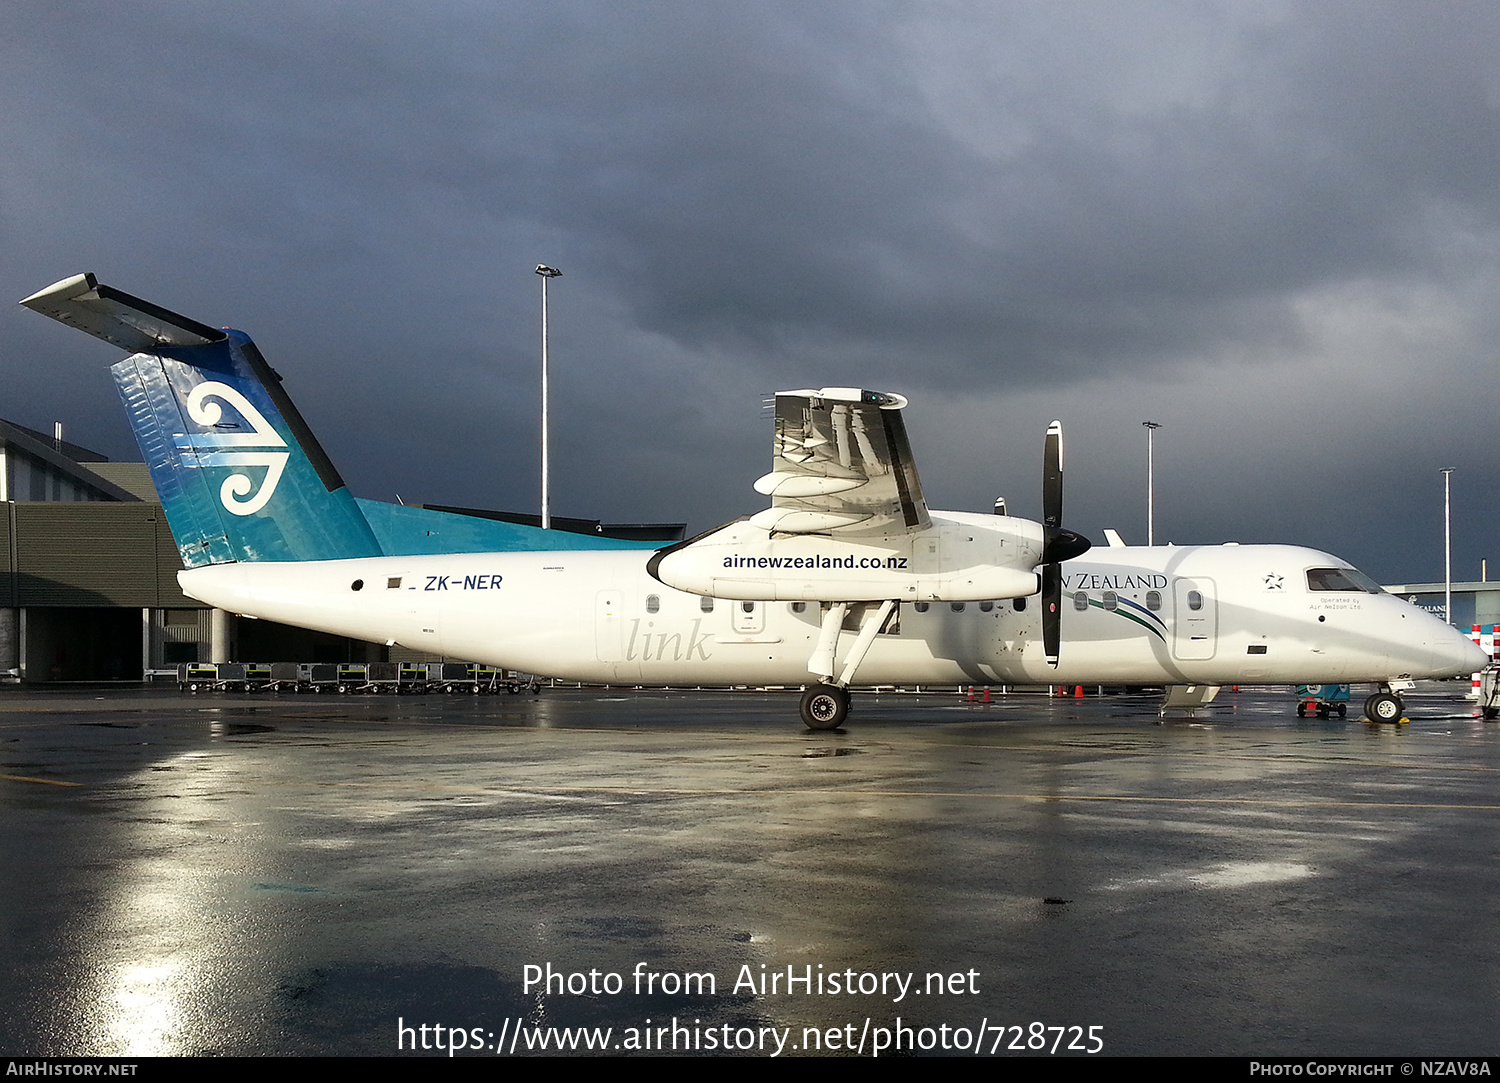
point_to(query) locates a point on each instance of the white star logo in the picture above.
(1273, 581)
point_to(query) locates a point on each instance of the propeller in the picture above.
(1058, 544)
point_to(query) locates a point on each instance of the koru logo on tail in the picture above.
(213, 448)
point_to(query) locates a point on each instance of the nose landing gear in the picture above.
(1385, 707)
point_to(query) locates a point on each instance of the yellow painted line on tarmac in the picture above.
(41, 781)
(637, 790)
(1046, 797)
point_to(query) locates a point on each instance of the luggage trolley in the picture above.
(1322, 700)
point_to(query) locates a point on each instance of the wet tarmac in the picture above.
(308, 875)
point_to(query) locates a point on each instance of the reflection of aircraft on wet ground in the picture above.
(847, 577)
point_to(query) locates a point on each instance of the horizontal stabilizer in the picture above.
(117, 317)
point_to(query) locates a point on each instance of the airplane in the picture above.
(846, 578)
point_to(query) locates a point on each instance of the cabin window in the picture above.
(1153, 600)
(358, 584)
(799, 607)
(653, 603)
(1341, 579)
(1018, 604)
(957, 607)
(1081, 601)
(985, 607)
(747, 607)
(920, 607)
(1111, 600)
(1195, 600)
(706, 604)
(1256, 648)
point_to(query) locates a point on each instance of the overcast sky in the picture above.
(1271, 227)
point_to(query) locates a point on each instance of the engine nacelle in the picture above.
(960, 558)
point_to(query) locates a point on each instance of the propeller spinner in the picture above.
(1058, 544)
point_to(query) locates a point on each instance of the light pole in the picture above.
(1448, 543)
(546, 273)
(1151, 427)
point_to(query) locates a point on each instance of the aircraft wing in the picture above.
(841, 465)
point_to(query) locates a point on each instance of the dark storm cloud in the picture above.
(1272, 227)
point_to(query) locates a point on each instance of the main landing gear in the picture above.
(1385, 707)
(825, 705)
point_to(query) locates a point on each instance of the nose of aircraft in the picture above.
(1458, 654)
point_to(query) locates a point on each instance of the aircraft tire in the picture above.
(825, 707)
(1384, 707)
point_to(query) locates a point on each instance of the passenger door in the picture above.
(1195, 625)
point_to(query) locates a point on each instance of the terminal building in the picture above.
(88, 576)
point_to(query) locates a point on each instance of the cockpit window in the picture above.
(1341, 579)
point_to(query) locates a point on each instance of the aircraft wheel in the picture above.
(825, 707)
(1383, 707)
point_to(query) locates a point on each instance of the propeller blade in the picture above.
(1058, 544)
(1051, 612)
(1052, 467)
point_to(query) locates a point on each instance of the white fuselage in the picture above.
(1163, 615)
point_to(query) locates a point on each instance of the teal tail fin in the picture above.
(240, 475)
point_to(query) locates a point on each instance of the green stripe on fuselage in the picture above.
(1153, 629)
